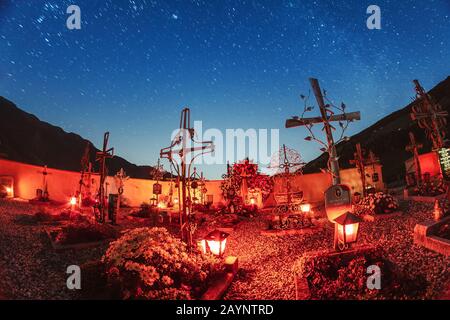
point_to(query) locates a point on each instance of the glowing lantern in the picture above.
(252, 200)
(347, 226)
(215, 242)
(73, 201)
(161, 205)
(305, 207)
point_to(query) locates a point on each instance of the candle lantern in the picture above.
(73, 201)
(215, 242)
(347, 227)
(305, 207)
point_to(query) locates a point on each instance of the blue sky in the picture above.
(237, 64)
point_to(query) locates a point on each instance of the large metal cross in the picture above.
(101, 157)
(325, 118)
(430, 117)
(183, 149)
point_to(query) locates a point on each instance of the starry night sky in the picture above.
(237, 64)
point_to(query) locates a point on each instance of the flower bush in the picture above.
(344, 277)
(430, 188)
(377, 203)
(149, 263)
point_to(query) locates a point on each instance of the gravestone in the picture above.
(338, 200)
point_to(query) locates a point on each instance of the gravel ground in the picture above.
(30, 269)
(266, 262)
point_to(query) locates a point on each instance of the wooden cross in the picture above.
(325, 119)
(101, 157)
(414, 147)
(359, 162)
(179, 147)
(430, 117)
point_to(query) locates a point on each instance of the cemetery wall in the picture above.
(314, 185)
(63, 184)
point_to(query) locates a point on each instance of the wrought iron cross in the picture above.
(182, 148)
(430, 117)
(287, 165)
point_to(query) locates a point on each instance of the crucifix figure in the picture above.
(181, 154)
(359, 162)
(156, 173)
(101, 157)
(326, 117)
(119, 180)
(414, 148)
(430, 117)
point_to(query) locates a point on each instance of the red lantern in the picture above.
(215, 242)
(347, 226)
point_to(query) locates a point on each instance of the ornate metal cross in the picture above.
(177, 153)
(287, 165)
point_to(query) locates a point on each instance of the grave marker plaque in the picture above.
(338, 200)
(157, 188)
